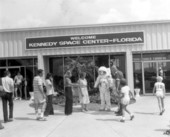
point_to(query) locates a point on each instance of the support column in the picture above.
(40, 61)
(129, 70)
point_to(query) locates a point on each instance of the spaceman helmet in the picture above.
(103, 68)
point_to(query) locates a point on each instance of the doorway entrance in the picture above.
(151, 70)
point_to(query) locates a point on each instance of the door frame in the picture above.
(157, 67)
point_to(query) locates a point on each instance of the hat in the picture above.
(103, 68)
(159, 78)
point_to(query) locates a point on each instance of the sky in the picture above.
(46, 13)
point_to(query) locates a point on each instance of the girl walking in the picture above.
(84, 96)
(125, 99)
(50, 91)
(159, 88)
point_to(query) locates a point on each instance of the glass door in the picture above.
(2, 70)
(13, 71)
(150, 74)
(164, 67)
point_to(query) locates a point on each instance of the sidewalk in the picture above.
(147, 122)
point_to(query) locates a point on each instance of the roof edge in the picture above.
(89, 25)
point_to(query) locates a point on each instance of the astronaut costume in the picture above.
(103, 83)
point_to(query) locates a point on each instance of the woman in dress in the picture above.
(84, 96)
(68, 93)
(49, 92)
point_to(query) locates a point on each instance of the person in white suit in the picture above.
(102, 82)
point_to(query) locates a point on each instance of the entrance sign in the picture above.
(85, 40)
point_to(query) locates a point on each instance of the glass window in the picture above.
(136, 57)
(14, 62)
(56, 68)
(137, 67)
(2, 63)
(35, 61)
(155, 56)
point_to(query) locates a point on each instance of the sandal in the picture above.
(42, 119)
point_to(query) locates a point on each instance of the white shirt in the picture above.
(8, 84)
(125, 90)
(49, 86)
(18, 79)
(37, 82)
(159, 86)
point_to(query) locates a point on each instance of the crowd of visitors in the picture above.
(109, 80)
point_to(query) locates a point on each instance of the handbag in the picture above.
(132, 100)
(2, 92)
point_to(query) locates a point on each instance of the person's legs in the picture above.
(16, 92)
(107, 98)
(162, 104)
(47, 109)
(4, 105)
(1, 126)
(131, 116)
(82, 107)
(51, 112)
(102, 98)
(20, 91)
(159, 104)
(123, 113)
(11, 105)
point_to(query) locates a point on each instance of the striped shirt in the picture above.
(36, 83)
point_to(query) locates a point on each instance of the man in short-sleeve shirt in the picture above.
(39, 95)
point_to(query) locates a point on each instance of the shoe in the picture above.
(15, 98)
(163, 111)
(101, 109)
(42, 119)
(122, 120)
(132, 117)
(108, 109)
(118, 114)
(86, 109)
(9, 120)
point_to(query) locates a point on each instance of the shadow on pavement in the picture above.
(24, 118)
(146, 113)
(116, 120)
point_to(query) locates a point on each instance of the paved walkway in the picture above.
(147, 122)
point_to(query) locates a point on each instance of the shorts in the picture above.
(18, 86)
(159, 94)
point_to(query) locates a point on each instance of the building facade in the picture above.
(139, 49)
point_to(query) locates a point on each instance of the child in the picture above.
(125, 99)
(103, 84)
(84, 96)
(159, 88)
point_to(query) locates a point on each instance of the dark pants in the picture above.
(7, 98)
(120, 110)
(69, 101)
(49, 108)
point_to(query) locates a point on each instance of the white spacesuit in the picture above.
(103, 83)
